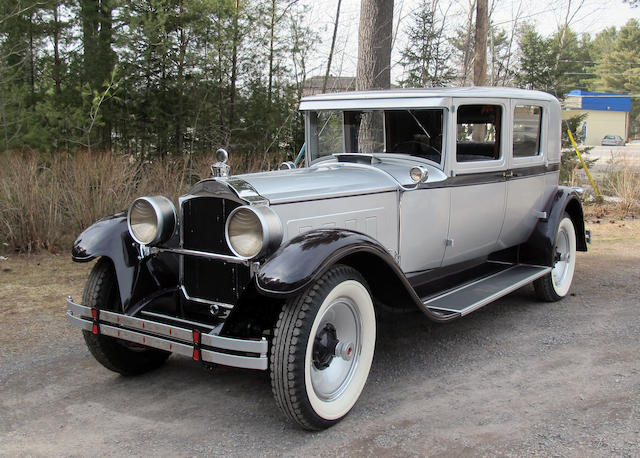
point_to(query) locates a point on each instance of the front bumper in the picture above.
(248, 354)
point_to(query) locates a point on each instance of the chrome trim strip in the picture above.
(205, 301)
(151, 333)
(201, 254)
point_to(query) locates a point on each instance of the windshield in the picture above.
(412, 132)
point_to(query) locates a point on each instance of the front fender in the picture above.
(538, 250)
(110, 237)
(306, 257)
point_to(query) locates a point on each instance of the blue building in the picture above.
(607, 113)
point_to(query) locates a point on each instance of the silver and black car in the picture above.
(442, 200)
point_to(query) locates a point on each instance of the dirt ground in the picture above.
(517, 378)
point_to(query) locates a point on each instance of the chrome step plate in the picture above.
(471, 296)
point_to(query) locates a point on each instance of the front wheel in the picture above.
(322, 349)
(101, 292)
(555, 285)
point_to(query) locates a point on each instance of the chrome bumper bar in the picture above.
(187, 342)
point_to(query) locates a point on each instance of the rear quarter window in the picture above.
(527, 122)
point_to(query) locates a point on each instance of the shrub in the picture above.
(623, 181)
(45, 201)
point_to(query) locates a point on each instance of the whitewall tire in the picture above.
(556, 284)
(323, 349)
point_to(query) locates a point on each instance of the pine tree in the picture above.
(426, 57)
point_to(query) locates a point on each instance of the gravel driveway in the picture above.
(516, 378)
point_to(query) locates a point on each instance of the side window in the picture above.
(527, 120)
(478, 133)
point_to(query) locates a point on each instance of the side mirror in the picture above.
(288, 165)
(418, 174)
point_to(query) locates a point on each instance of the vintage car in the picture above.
(442, 200)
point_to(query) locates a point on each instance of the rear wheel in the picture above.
(556, 284)
(101, 292)
(322, 350)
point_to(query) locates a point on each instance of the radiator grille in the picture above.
(203, 220)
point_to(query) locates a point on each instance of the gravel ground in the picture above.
(516, 378)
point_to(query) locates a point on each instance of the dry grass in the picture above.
(46, 201)
(31, 207)
(622, 180)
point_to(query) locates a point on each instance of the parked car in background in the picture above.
(440, 200)
(612, 140)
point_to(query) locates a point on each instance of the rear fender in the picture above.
(538, 250)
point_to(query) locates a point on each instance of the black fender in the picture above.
(137, 279)
(538, 250)
(303, 259)
(109, 237)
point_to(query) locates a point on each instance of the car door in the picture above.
(424, 210)
(527, 172)
(477, 179)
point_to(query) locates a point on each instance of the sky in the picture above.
(588, 16)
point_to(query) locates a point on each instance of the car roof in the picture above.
(384, 98)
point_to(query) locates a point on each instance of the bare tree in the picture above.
(464, 44)
(564, 27)
(374, 45)
(333, 44)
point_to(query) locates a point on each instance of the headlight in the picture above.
(253, 231)
(151, 220)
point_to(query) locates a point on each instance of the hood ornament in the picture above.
(220, 168)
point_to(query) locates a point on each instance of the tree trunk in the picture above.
(32, 67)
(98, 56)
(480, 58)
(183, 40)
(374, 45)
(234, 64)
(467, 60)
(333, 44)
(272, 26)
(57, 73)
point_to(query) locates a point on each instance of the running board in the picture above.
(471, 296)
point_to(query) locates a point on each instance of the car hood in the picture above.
(318, 182)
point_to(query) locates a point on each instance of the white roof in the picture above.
(413, 98)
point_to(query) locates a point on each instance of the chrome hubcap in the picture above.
(336, 349)
(562, 257)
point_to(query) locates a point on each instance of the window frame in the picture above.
(482, 165)
(541, 157)
(539, 136)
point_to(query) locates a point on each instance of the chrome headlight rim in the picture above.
(165, 219)
(270, 226)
